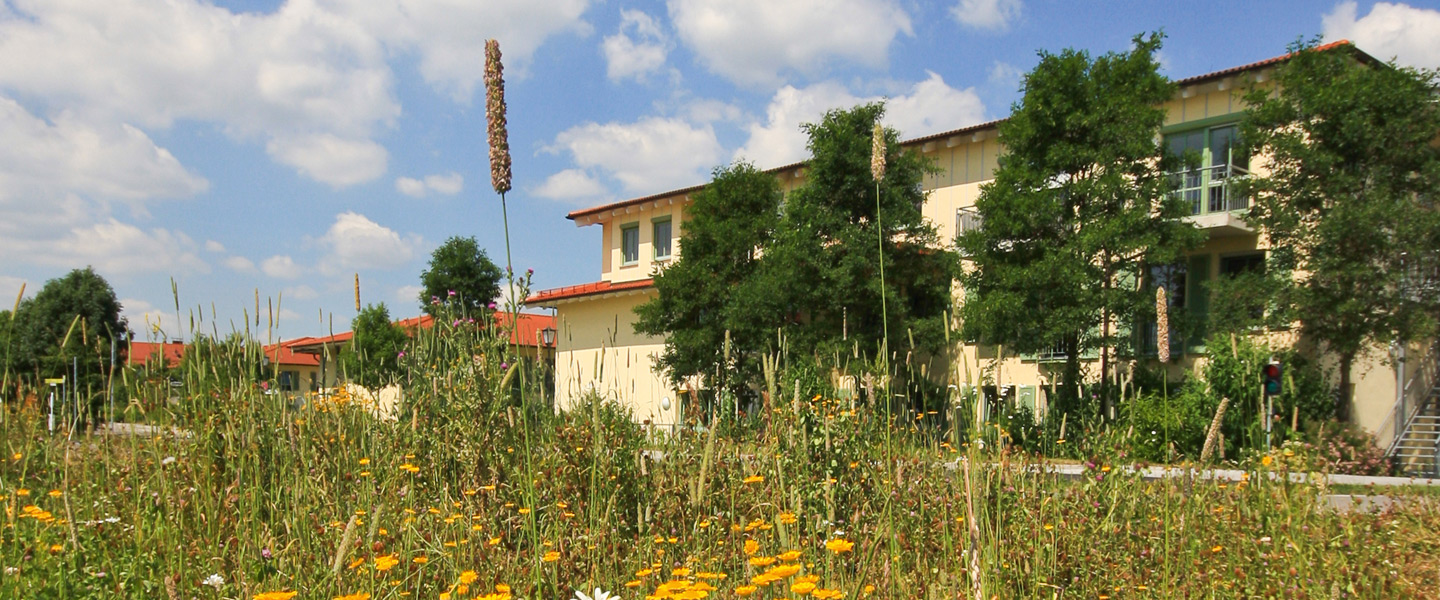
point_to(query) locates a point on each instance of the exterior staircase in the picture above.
(1416, 451)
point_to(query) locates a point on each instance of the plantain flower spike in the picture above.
(877, 152)
(1162, 324)
(495, 117)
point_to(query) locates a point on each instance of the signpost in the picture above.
(53, 382)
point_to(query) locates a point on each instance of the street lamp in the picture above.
(548, 335)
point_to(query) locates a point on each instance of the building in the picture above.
(533, 337)
(598, 350)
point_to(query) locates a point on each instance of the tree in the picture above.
(1349, 203)
(372, 358)
(710, 291)
(71, 318)
(823, 268)
(460, 274)
(1077, 209)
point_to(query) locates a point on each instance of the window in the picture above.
(967, 219)
(289, 380)
(630, 244)
(1173, 279)
(662, 238)
(1211, 158)
(1231, 266)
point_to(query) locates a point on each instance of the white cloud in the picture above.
(448, 184)
(986, 14)
(355, 243)
(407, 295)
(10, 290)
(650, 155)
(115, 247)
(1398, 31)
(281, 266)
(301, 292)
(930, 106)
(311, 80)
(410, 186)
(240, 264)
(71, 155)
(330, 159)
(570, 184)
(149, 322)
(1006, 75)
(628, 57)
(214, 246)
(449, 36)
(753, 41)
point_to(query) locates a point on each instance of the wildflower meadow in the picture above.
(476, 487)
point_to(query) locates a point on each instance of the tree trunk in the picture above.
(1071, 396)
(1342, 396)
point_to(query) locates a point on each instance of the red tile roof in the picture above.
(587, 289)
(584, 212)
(143, 352)
(285, 354)
(526, 332)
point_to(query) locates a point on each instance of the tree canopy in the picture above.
(372, 357)
(461, 275)
(72, 317)
(715, 288)
(757, 264)
(1077, 208)
(1349, 202)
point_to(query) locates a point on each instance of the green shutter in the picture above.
(1197, 297)
(1026, 398)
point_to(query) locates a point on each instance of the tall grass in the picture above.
(468, 489)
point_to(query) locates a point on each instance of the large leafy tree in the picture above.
(461, 275)
(1077, 208)
(824, 265)
(72, 318)
(372, 358)
(714, 288)
(1349, 203)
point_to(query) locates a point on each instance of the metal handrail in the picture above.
(1425, 377)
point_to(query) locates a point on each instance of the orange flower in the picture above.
(840, 545)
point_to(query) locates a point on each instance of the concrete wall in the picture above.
(599, 351)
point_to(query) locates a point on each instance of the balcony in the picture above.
(1214, 205)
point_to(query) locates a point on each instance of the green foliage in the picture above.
(71, 318)
(459, 274)
(1078, 206)
(372, 358)
(715, 288)
(1349, 202)
(823, 269)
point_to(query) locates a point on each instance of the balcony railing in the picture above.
(1209, 190)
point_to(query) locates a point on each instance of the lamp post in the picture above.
(548, 336)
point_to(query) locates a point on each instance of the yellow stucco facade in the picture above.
(598, 350)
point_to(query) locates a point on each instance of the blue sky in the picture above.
(283, 147)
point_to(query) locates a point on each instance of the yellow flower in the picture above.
(790, 556)
(825, 594)
(420, 560)
(56, 548)
(644, 572)
(680, 572)
(754, 479)
(468, 577)
(355, 596)
(787, 518)
(840, 545)
(551, 556)
(1049, 527)
(385, 563)
(355, 563)
(280, 595)
(802, 587)
(751, 547)
(364, 461)
(632, 584)
(745, 590)
(22, 492)
(762, 561)
(56, 493)
(1216, 549)
(1267, 460)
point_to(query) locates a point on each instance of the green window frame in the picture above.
(629, 244)
(661, 241)
(1211, 158)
